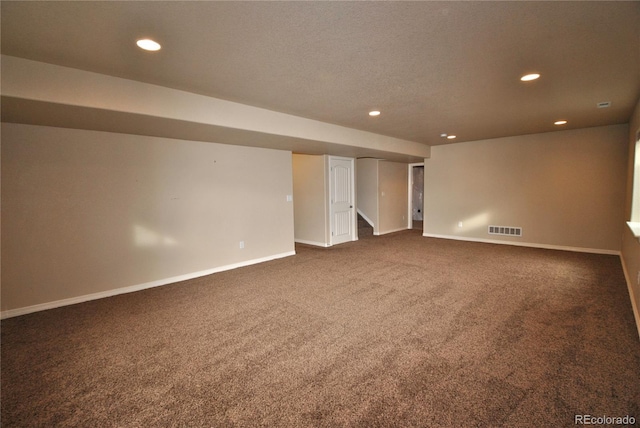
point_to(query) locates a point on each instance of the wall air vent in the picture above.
(604, 104)
(505, 230)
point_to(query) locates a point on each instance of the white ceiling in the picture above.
(430, 67)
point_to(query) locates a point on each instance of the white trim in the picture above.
(314, 243)
(368, 220)
(525, 244)
(390, 231)
(635, 183)
(635, 229)
(627, 277)
(130, 289)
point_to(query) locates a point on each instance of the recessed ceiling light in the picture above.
(451, 137)
(148, 45)
(529, 77)
(560, 122)
(374, 113)
(443, 135)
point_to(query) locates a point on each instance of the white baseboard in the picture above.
(314, 243)
(634, 306)
(130, 289)
(390, 231)
(525, 244)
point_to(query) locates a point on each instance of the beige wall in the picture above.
(393, 197)
(631, 244)
(367, 190)
(565, 189)
(88, 212)
(310, 199)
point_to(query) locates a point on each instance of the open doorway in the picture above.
(415, 215)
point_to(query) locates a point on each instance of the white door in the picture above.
(342, 194)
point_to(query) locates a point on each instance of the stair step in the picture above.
(364, 228)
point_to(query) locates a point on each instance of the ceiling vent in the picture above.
(604, 104)
(505, 230)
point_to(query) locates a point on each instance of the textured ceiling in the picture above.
(430, 67)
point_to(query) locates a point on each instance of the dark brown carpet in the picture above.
(398, 330)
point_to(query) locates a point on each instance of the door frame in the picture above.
(352, 179)
(410, 193)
